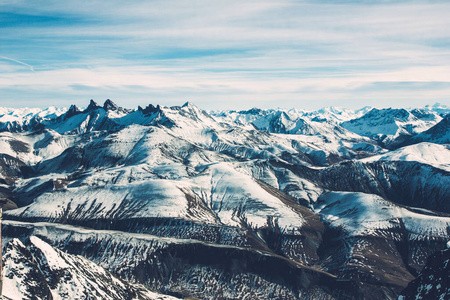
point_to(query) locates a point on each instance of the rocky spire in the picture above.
(109, 105)
(92, 106)
(73, 110)
(150, 109)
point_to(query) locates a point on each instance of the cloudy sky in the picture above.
(225, 54)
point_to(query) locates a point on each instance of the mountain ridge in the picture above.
(282, 187)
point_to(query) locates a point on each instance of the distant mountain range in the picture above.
(279, 204)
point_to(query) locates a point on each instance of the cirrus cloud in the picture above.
(233, 54)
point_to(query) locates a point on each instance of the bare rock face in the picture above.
(109, 105)
(23, 279)
(433, 281)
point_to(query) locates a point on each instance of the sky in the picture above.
(225, 54)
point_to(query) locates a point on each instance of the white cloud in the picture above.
(244, 50)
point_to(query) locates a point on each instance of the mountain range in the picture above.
(175, 202)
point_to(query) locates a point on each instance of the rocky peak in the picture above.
(109, 105)
(188, 104)
(92, 106)
(73, 110)
(149, 109)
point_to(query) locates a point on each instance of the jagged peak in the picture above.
(109, 105)
(149, 109)
(282, 114)
(365, 108)
(190, 110)
(14, 243)
(189, 104)
(73, 110)
(92, 106)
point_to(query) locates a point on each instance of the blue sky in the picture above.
(225, 54)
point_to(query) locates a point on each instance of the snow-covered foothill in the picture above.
(362, 214)
(426, 153)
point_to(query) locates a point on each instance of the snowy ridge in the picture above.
(390, 124)
(228, 191)
(334, 115)
(22, 115)
(426, 153)
(25, 118)
(58, 275)
(364, 214)
(440, 133)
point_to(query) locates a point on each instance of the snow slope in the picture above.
(425, 153)
(392, 125)
(365, 214)
(19, 119)
(39, 271)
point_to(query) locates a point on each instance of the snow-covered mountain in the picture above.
(286, 203)
(391, 126)
(14, 120)
(39, 271)
(439, 133)
(334, 115)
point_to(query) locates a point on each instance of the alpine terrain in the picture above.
(157, 202)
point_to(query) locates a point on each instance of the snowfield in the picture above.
(426, 153)
(365, 214)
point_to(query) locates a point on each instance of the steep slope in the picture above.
(365, 214)
(373, 240)
(418, 183)
(439, 134)
(433, 281)
(38, 271)
(186, 267)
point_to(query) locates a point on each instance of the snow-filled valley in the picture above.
(176, 202)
